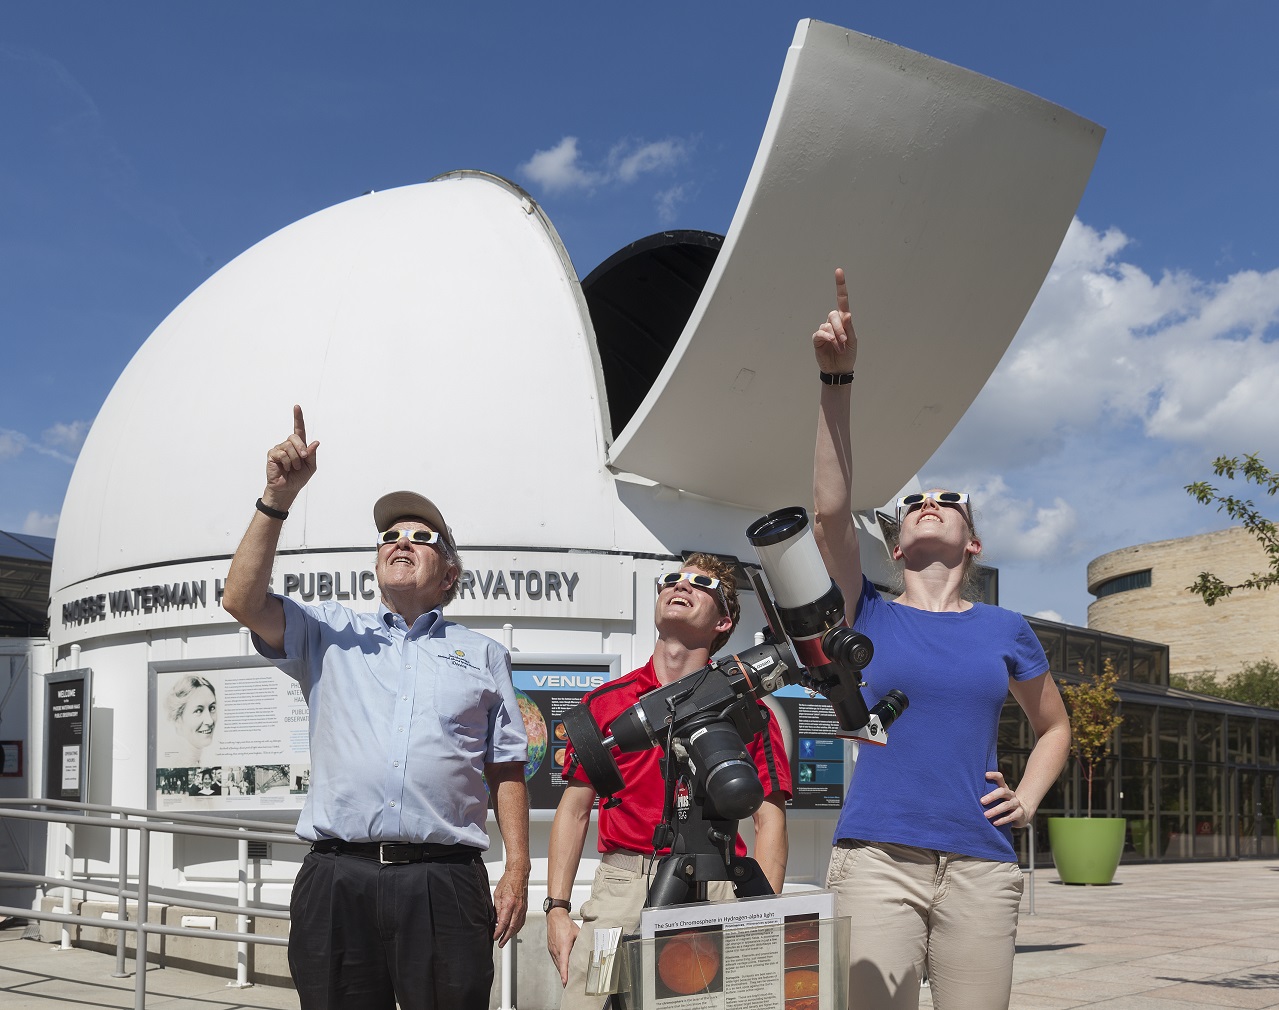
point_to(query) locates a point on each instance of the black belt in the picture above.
(400, 852)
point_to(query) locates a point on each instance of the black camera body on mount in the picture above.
(706, 716)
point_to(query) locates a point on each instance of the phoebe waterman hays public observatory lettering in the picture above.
(490, 583)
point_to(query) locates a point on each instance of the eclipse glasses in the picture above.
(706, 582)
(423, 537)
(908, 503)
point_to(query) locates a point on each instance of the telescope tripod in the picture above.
(702, 847)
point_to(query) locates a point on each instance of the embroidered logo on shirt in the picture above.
(457, 659)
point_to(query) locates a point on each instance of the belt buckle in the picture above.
(381, 854)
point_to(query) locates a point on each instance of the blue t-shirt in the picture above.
(925, 787)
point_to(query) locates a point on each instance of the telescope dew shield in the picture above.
(808, 602)
(593, 755)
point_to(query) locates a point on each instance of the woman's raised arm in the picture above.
(835, 345)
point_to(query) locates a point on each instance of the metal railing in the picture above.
(145, 822)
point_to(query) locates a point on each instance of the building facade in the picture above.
(1143, 591)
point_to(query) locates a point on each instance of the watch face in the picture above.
(547, 906)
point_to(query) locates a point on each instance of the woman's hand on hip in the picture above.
(1003, 805)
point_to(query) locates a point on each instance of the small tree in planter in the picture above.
(1087, 850)
(1094, 717)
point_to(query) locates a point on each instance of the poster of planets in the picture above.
(546, 691)
(535, 726)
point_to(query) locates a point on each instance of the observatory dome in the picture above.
(437, 339)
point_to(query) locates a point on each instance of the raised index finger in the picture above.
(299, 425)
(841, 292)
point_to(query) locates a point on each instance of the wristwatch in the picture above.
(550, 903)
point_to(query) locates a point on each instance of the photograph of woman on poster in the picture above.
(206, 784)
(191, 707)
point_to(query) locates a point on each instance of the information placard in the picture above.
(11, 759)
(68, 703)
(547, 686)
(228, 735)
(752, 954)
(816, 753)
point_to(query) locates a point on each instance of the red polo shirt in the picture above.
(629, 825)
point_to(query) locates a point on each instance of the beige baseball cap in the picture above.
(410, 505)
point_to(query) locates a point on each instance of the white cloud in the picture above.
(1118, 390)
(1049, 615)
(66, 436)
(561, 169)
(11, 443)
(557, 170)
(37, 524)
(668, 202)
(61, 441)
(1105, 344)
(628, 161)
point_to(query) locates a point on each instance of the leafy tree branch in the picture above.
(1242, 510)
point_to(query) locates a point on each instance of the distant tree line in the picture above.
(1255, 684)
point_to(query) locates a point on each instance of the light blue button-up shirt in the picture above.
(403, 721)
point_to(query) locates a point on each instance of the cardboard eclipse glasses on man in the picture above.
(398, 505)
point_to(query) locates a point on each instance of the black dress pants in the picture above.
(364, 935)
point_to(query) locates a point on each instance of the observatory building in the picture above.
(580, 437)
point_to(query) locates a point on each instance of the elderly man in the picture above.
(410, 716)
(696, 612)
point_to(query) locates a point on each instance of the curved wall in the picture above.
(1242, 628)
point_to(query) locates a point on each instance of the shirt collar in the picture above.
(423, 627)
(647, 679)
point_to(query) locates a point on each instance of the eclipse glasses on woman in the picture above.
(955, 499)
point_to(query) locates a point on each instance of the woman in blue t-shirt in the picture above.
(923, 860)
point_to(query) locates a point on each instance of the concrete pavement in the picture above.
(1185, 936)
(1188, 936)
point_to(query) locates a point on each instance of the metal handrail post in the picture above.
(508, 952)
(68, 869)
(242, 921)
(140, 943)
(122, 907)
(1031, 895)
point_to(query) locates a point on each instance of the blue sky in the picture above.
(144, 145)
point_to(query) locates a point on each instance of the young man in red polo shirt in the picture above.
(692, 623)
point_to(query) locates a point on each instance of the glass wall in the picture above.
(1149, 663)
(1195, 778)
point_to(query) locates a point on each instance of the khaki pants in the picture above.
(919, 911)
(617, 898)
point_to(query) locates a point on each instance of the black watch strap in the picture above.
(266, 510)
(836, 378)
(550, 903)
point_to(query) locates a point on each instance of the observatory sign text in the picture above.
(533, 584)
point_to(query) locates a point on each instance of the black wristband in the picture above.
(836, 378)
(266, 510)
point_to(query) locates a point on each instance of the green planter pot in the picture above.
(1086, 849)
